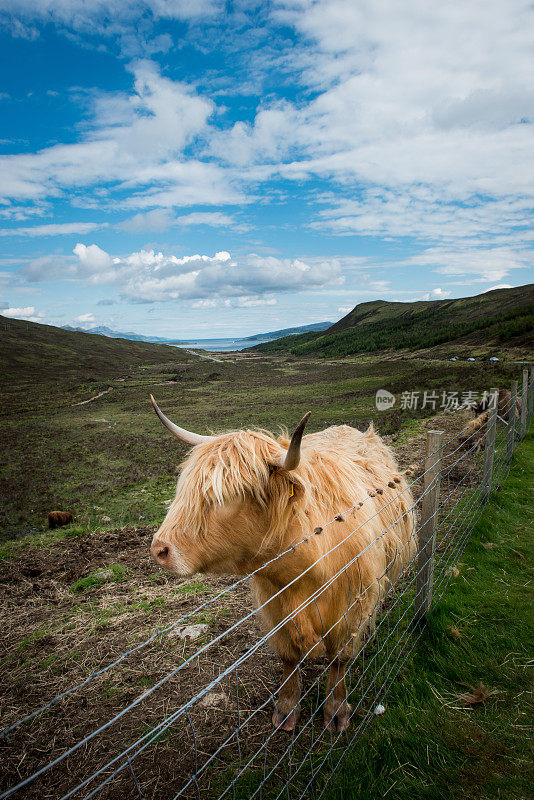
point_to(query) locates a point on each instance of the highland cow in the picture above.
(243, 498)
(56, 519)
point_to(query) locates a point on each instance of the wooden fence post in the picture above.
(429, 524)
(510, 438)
(531, 393)
(489, 450)
(524, 404)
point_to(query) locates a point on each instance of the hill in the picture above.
(315, 326)
(29, 350)
(493, 318)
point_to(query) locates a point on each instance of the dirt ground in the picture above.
(73, 606)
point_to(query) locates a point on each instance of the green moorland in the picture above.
(459, 722)
(503, 317)
(111, 463)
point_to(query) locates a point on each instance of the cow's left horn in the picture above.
(180, 433)
(292, 457)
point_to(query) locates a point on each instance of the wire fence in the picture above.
(232, 719)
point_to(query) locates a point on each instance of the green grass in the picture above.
(428, 744)
(112, 458)
(113, 573)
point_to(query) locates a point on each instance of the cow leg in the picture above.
(336, 709)
(287, 711)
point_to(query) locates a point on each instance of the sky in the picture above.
(202, 169)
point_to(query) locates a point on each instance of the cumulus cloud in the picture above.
(28, 313)
(94, 260)
(149, 276)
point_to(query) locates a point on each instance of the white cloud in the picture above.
(418, 119)
(28, 313)
(499, 286)
(215, 219)
(58, 229)
(235, 302)
(91, 16)
(93, 259)
(435, 294)
(149, 276)
(424, 213)
(161, 219)
(484, 263)
(85, 319)
(134, 140)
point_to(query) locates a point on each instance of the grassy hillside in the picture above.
(497, 317)
(39, 348)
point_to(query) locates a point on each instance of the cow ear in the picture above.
(284, 487)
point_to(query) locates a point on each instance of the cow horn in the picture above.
(180, 433)
(291, 459)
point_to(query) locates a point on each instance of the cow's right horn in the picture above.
(291, 459)
(180, 433)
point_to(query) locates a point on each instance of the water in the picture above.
(219, 345)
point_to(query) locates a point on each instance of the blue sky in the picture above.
(199, 168)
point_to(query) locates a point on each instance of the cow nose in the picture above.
(160, 552)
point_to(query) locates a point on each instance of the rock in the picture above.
(212, 699)
(104, 574)
(106, 519)
(191, 632)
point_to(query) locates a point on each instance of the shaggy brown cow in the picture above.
(472, 435)
(245, 497)
(58, 518)
(503, 405)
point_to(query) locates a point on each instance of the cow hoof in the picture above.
(286, 722)
(339, 722)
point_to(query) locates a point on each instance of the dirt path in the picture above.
(83, 402)
(208, 358)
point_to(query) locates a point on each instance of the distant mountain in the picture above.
(315, 326)
(102, 330)
(489, 319)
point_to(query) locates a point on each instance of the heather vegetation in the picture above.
(479, 322)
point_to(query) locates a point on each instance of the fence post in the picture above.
(510, 439)
(524, 404)
(531, 393)
(489, 450)
(429, 524)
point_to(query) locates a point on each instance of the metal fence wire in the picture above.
(219, 741)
